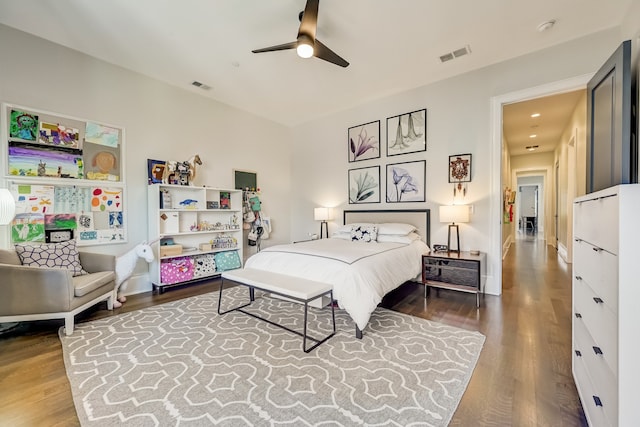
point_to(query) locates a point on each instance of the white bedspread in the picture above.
(361, 273)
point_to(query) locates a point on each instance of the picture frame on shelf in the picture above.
(156, 170)
(363, 142)
(460, 168)
(364, 185)
(407, 133)
(406, 182)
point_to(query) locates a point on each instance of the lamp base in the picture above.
(454, 227)
(324, 225)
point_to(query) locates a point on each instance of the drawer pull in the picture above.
(597, 249)
(598, 300)
(578, 315)
(578, 353)
(597, 350)
(578, 240)
(597, 400)
(578, 277)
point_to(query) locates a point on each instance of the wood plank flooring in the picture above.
(523, 377)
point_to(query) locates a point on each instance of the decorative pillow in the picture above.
(396, 238)
(63, 255)
(395, 228)
(347, 227)
(364, 233)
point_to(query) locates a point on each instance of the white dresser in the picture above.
(606, 305)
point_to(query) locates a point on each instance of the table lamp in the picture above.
(323, 215)
(454, 214)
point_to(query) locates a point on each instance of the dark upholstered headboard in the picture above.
(419, 218)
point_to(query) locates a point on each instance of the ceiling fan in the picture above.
(306, 43)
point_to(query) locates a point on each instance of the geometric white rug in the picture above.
(182, 364)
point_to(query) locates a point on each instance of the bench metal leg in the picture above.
(251, 298)
(305, 336)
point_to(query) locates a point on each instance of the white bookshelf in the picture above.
(192, 216)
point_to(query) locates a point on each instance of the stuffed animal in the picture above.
(125, 264)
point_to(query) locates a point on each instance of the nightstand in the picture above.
(455, 271)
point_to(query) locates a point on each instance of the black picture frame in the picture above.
(459, 168)
(58, 235)
(363, 141)
(406, 178)
(411, 128)
(364, 185)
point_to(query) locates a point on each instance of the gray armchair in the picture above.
(35, 293)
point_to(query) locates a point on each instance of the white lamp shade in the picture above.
(454, 213)
(7, 207)
(322, 214)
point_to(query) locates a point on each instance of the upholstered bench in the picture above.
(297, 289)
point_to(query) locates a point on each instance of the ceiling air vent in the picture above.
(455, 54)
(200, 85)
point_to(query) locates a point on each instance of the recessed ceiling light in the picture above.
(533, 136)
(534, 115)
(532, 147)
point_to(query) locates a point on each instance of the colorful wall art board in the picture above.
(60, 221)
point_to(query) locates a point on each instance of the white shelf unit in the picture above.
(187, 217)
(605, 305)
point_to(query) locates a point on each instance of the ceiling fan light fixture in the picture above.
(305, 46)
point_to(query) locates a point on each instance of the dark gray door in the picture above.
(611, 153)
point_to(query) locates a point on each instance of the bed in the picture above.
(361, 272)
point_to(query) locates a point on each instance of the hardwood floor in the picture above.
(523, 377)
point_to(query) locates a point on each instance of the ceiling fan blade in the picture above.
(309, 21)
(285, 46)
(323, 52)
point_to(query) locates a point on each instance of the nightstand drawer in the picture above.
(457, 272)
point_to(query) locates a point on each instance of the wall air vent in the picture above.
(455, 54)
(200, 85)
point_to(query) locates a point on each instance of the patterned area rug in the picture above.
(181, 363)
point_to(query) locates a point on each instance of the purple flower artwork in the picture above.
(406, 182)
(364, 141)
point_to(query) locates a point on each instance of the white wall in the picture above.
(458, 121)
(160, 121)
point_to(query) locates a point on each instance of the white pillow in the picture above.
(347, 227)
(343, 236)
(395, 228)
(396, 238)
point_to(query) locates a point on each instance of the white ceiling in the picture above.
(392, 45)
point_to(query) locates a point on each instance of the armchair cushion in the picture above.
(90, 282)
(63, 255)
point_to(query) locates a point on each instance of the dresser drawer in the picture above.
(595, 414)
(596, 221)
(599, 269)
(600, 321)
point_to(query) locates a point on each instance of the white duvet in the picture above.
(361, 273)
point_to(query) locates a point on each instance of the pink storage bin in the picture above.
(176, 270)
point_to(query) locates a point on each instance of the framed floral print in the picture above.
(460, 168)
(364, 185)
(406, 182)
(407, 133)
(364, 141)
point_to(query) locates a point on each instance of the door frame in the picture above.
(494, 284)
